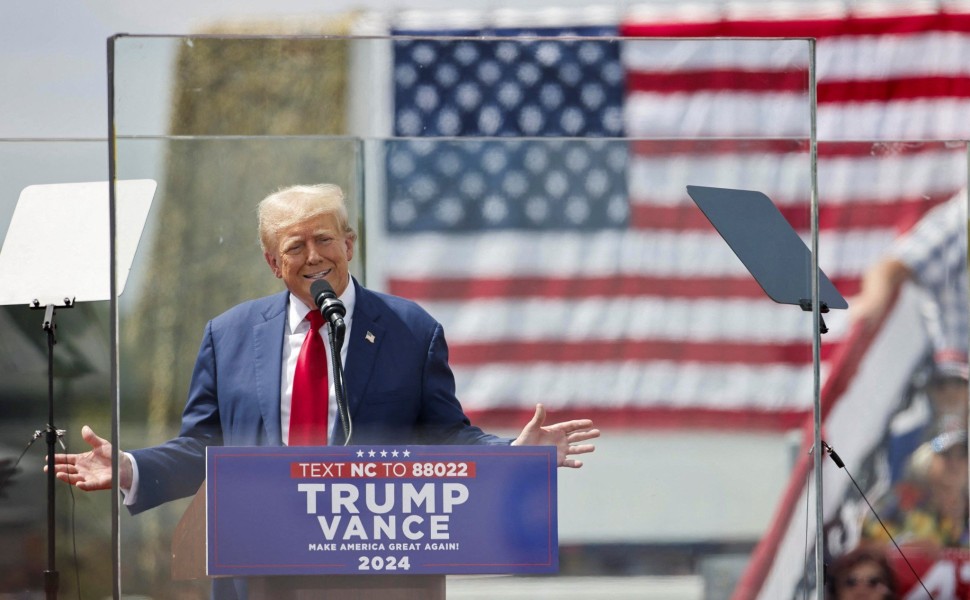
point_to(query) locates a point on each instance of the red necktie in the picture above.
(310, 401)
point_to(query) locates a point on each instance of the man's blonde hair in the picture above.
(296, 203)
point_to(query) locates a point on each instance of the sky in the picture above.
(53, 54)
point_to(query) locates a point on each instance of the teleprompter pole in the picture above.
(52, 436)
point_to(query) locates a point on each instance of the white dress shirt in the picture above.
(296, 330)
(294, 334)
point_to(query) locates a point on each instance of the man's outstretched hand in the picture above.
(561, 435)
(91, 470)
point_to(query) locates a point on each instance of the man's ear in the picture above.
(274, 264)
(349, 240)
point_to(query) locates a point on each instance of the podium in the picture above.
(189, 556)
(346, 523)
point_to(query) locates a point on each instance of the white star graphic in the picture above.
(383, 453)
(360, 454)
(394, 453)
(407, 453)
(371, 454)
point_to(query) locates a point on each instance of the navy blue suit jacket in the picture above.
(399, 388)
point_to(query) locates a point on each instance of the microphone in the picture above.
(332, 309)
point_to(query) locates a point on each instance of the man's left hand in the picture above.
(561, 435)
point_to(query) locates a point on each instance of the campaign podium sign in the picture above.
(336, 510)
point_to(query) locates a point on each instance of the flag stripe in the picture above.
(736, 148)
(634, 252)
(895, 24)
(742, 114)
(466, 289)
(861, 214)
(739, 114)
(721, 80)
(919, 119)
(796, 82)
(670, 56)
(514, 351)
(884, 177)
(638, 384)
(654, 418)
(895, 89)
(589, 314)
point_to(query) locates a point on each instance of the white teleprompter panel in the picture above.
(58, 244)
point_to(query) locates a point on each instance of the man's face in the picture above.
(310, 249)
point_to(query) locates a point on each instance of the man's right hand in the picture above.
(91, 470)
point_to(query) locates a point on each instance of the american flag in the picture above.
(536, 205)
(536, 199)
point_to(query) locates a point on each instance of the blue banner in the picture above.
(376, 509)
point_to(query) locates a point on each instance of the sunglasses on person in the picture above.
(869, 582)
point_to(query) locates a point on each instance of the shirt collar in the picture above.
(297, 311)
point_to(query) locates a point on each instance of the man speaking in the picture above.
(262, 369)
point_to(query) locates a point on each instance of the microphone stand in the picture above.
(333, 310)
(336, 337)
(52, 436)
(840, 464)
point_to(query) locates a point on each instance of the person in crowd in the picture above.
(861, 574)
(938, 404)
(933, 254)
(929, 507)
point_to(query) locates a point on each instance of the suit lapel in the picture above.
(366, 336)
(267, 365)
